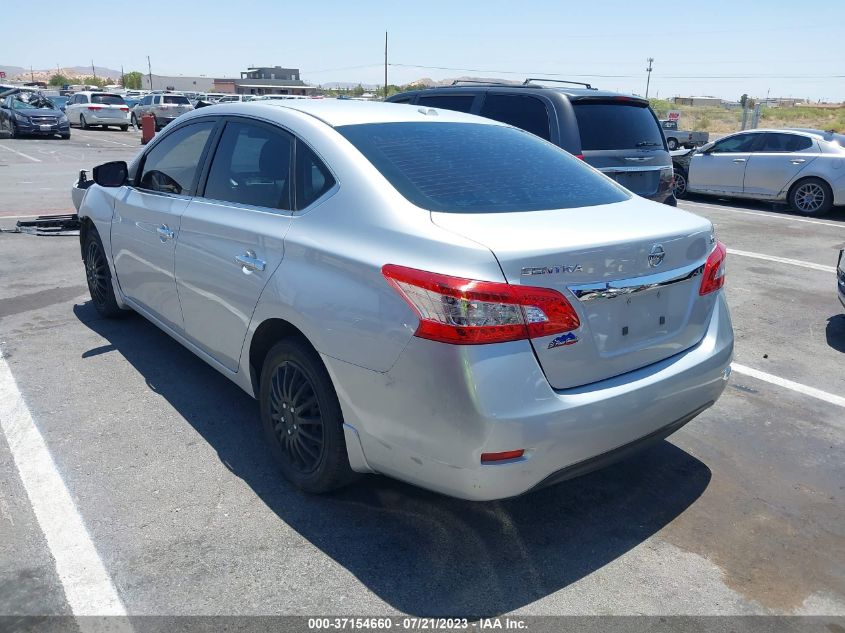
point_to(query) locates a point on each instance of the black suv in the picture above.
(617, 134)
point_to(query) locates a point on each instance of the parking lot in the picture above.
(172, 489)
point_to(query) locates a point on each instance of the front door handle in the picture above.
(739, 160)
(249, 262)
(797, 161)
(164, 233)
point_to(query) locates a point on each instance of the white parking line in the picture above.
(774, 215)
(92, 136)
(87, 586)
(788, 384)
(783, 260)
(14, 151)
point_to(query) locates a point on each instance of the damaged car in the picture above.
(25, 113)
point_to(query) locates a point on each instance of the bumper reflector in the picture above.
(499, 457)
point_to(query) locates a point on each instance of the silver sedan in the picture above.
(804, 168)
(426, 294)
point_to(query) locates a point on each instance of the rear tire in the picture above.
(98, 276)
(123, 128)
(82, 122)
(811, 196)
(302, 419)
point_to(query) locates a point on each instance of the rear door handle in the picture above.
(164, 233)
(739, 160)
(249, 262)
(797, 161)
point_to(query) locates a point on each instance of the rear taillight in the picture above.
(95, 107)
(124, 109)
(470, 312)
(714, 270)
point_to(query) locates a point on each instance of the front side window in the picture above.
(527, 113)
(313, 178)
(735, 144)
(251, 166)
(476, 168)
(171, 166)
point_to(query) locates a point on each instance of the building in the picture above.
(178, 83)
(265, 80)
(698, 101)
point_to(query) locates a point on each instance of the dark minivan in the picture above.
(617, 134)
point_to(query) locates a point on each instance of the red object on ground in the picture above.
(148, 128)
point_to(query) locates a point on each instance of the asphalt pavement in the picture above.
(163, 462)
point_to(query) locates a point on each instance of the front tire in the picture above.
(123, 128)
(811, 196)
(302, 419)
(98, 276)
(679, 184)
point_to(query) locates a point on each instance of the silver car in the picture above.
(801, 167)
(165, 108)
(426, 294)
(97, 108)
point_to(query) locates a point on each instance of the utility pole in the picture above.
(648, 77)
(150, 71)
(122, 77)
(94, 72)
(31, 75)
(385, 65)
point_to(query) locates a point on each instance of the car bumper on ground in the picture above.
(431, 416)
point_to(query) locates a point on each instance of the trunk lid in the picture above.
(632, 313)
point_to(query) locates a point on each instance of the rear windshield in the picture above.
(472, 168)
(175, 99)
(108, 99)
(617, 125)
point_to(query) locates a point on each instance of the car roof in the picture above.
(337, 112)
(575, 93)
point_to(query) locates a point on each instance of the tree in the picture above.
(94, 81)
(743, 100)
(358, 90)
(133, 80)
(59, 80)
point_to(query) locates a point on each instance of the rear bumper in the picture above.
(94, 119)
(430, 417)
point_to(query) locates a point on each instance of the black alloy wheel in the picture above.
(302, 419)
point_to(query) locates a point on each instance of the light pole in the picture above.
(648, 77)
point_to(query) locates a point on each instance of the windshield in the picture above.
(472, 168)
(28, 101)
(108, 99)
(616, 125)
(175, 99)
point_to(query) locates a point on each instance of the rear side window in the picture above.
(175, 100)
(171, 166)
(472, 168)
(251, 166)
(461, 103)
(108, 99)
(776, 142)
(616, 125)
(528, 113)
(313, 178)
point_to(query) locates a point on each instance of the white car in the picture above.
(805, 168)
(97, 108)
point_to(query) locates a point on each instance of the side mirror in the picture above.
(113, 174)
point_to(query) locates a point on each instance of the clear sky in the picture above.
(714, 47)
